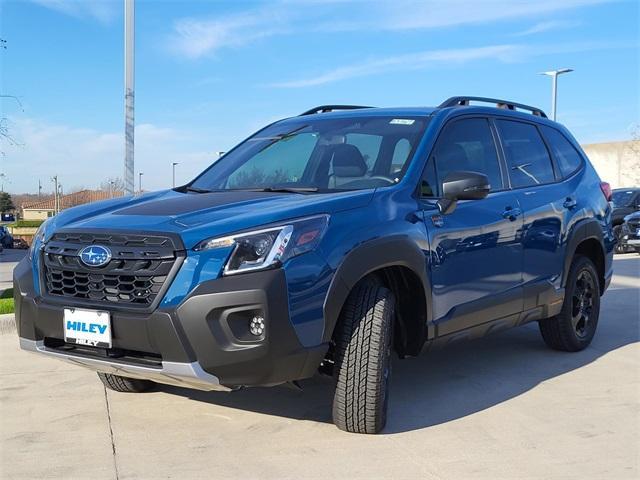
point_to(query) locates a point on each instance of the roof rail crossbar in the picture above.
(332, 108)
(506, 104)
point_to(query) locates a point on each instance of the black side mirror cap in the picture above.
(462, 185)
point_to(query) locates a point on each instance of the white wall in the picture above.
(616, 162)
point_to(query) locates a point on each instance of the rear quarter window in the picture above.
(567, 157)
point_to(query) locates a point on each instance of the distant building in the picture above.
(44, 209)
(616, 162)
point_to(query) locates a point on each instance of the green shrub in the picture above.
(6, 305)
(8, 293)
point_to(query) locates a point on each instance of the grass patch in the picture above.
(7, 306)
(27, 223)
(6, 301)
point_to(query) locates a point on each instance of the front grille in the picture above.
(135, 276)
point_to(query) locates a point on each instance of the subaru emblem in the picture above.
(95, 255)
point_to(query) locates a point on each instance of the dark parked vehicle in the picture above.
(625, 201)
(6, 239)
(20, 244)
(630, 233)
(327, 242)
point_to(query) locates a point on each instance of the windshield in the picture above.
(621, 198)
(312, 154)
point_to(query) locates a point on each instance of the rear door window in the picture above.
(527, 157)
(567, 157)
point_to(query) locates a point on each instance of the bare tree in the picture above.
(112, 184)
(630, 161)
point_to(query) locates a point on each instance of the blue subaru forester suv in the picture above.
(325, 242)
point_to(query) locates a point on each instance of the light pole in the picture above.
(129, 128)
(140, 181)
(54, 179)
(554, 87)
(173, 166)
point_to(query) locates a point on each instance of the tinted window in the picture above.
(527, 156)
(464, 145)
(567, 158)
(622, 198)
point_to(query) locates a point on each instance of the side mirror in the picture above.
(462, 185)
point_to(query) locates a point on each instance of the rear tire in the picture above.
(124, 384)
(363, 359)
(574, 327)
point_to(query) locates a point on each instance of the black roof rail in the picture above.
(331, 108)
(506, 104)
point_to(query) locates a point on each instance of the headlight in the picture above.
(38, 238)
(269, 247)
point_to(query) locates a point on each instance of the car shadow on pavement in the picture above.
(449, 383)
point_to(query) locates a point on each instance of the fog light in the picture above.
(256, 326)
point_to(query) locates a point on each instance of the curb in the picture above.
(7, 324)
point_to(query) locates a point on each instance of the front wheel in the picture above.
(574, 327)
(124, 384)
(617, 232)
(363, 359)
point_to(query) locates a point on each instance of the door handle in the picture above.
(570, 203)
(511, 213)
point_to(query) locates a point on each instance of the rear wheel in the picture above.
(124, 384)
(574, 327)
(363, 359)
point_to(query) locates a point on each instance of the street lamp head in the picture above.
(553, 73)
(175, 163)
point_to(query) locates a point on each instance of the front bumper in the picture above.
(203, 343)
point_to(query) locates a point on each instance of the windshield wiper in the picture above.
(197, 190)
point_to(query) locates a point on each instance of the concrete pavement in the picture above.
(9, 258)
(500, 407)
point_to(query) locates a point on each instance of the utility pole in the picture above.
(173, 165)
(140, 181)
(554, 87)
(39, 188)
(111, 182)
(54, 179)
(129, 126)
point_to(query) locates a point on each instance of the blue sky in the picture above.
(209, 73)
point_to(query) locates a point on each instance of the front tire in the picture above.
(124, 384)
(574, 327)
(363, 359)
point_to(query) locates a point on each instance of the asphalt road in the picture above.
(502, 407)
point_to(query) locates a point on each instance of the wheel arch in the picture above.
(586, 239)
(401, 265)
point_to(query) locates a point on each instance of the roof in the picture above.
(72, 200)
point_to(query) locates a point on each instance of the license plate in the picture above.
(87, 327)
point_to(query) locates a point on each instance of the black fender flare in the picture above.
(583, 230)
(372, 255)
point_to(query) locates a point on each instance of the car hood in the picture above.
(196, 216)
